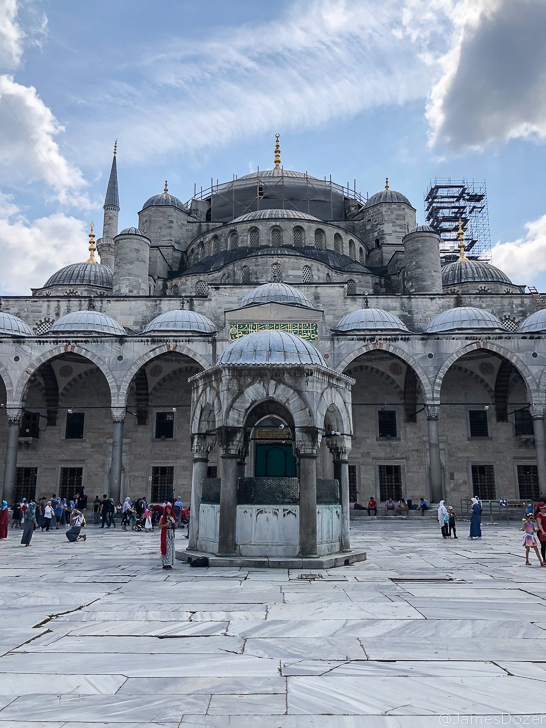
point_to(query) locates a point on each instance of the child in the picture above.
(529, 539)
(445, 529)
(148, 516)
(452, 516)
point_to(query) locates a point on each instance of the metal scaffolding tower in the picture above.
(448, 201)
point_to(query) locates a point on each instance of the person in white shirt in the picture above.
(48, 515)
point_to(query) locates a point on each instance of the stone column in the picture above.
(308, 504)
(114, 488)
(227, 544)
(341, 472)
(10, 470)
(537, 413)
(435, 472)
(201, 447)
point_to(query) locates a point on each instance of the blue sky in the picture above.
(365, 89)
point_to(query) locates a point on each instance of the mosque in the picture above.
(285, 345)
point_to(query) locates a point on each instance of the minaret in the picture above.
(105, 245)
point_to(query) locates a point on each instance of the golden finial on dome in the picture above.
(115, 147)
(460, 244)
(92, 246)
(277, 152)
(166, 190)
(387, 183)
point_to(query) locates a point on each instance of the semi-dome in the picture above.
(472, 271)
(164, 200)
(276, 214)
(371, 319)
(11, 325)
(131, 231)
(275, 293)
(387, 195)
(464, 318)
(271, 348)
(534, 324)
(82, 274)
(87, 322)
(180, 321)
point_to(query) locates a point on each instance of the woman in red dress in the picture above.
(4, 518)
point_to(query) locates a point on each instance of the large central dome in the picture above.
(267, 348)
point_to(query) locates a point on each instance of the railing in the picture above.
(492, 510)
(328, 493)
(210, 492)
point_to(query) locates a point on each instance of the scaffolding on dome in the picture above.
(448, 201)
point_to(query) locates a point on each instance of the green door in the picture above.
(275, 461)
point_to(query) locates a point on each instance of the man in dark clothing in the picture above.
(104, 510)
(96, 509)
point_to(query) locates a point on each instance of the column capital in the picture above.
(433, 411)
(339, 446)
(307, 441)
(118, 414)
(201, 445)
(15, 415)
(537, 410)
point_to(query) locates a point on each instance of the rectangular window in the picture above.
(528, 483)
(25, 483)
(478, 423)
(523, 422)
(483, 482)
(74, 425)
(70, 483)
(387, 423)
(164, 425)
(352, 484)
(30, 425)
(212, 471)
(390, 482)
(162, 483)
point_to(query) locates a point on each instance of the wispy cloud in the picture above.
(11, 35)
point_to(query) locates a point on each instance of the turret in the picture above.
(105, 245)
(131, 263)
(423, 272)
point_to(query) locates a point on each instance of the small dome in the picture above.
(387, 196)
(87, 322)
(464, 318)
(534, 324)
(472, 271)
(423, 229)
(131, 231)
(13, 326)
(275, 293)
(271, 348)
(371, 319)
(275, 214)
(164, 199)
(82, 274)
(178, 321)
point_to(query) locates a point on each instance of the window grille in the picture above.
(74, 425)
(71, 481)
(523, 422)
(353, 495)
(162, 483)
(201, 288)
(276, 273)
(233, 241)
(478, 423)
(43, 326)
(164, 425)
(212, 471)
(338, 243)
(509, 323)
(307, 275)
(254, 237)
(386, 423)
(528, 483)
(25, 483)
(30, 425)
(276, 237)
(298, 237)
(351, 287)
(390, 482)
(483, 481)
(320, 239)
(245, 274)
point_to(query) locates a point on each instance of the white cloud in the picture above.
(525, 258)
(33, 250)
(11, 35)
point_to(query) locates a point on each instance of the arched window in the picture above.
(201, 250)
(175, 290)
(352, 250)
(299, 237)
(306, 274)
(351, 287)
(328, 278)
(320, 239)
(245, 274)
(338, 243)
(361, 255)
(190, 258)
(201, 289)
(276, 236)
(254, 237)
(233, 240)
(276, 273)
(215, 242)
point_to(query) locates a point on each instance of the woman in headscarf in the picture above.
(4, 520)
(442, 510)
(125, 513)
(30, 523)
(475, 519)
(167, 524)
(76, 520)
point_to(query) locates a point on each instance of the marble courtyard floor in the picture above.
(96, 634)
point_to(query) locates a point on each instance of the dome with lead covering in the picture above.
(271, 348)
(423, 229)
(164, 200)
(180, 321)
(472, 271)
(534, 324)
(131, 231)
(275, 293)
(82, 274)
(387, 196)
(85, 323)
(11, 325)
(371, 319)
(276, 214)
(464, 318)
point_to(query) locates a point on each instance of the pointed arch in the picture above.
(236, 411)
(207, 401)
(8, 384)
